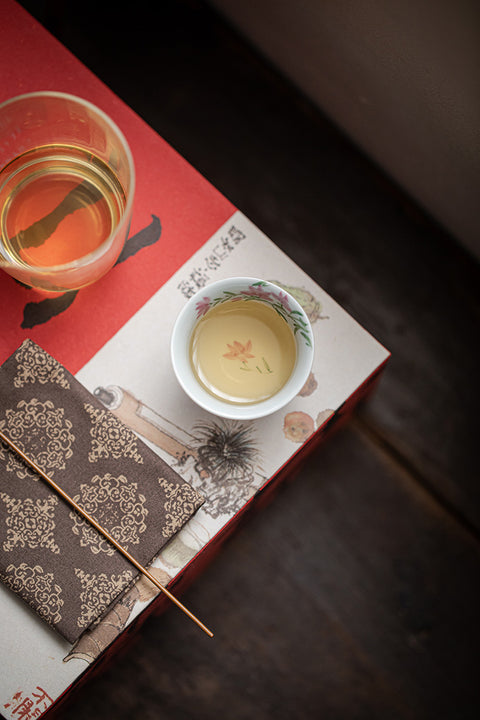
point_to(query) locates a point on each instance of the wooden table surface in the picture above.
(356, 593)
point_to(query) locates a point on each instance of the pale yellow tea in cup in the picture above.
(242, 351)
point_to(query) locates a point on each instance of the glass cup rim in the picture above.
(99, 251)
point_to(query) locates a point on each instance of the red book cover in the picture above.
(175, 209)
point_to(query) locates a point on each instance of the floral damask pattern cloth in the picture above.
(53, 558)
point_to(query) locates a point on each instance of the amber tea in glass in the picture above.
(66, 197)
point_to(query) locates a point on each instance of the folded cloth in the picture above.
(53, 558)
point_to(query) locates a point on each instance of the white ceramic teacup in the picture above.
(241, 288)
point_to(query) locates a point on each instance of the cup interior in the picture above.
(223, 291)
(46, 135)
(44, 118)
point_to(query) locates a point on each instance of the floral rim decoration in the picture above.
(279, 301)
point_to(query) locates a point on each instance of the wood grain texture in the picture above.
(356, 594)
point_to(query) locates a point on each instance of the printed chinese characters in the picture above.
(200, 275)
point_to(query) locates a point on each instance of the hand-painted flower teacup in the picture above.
(242, 348)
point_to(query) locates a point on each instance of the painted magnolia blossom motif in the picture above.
(34, 365)
(203, 306)
(44, 430)
(116, 504)
(110, 437)
(31, 523)
(180, 503)
(239, 351)
(37, 588)
(98, 591)
(277, 299)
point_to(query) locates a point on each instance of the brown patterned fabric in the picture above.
(56, 561)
